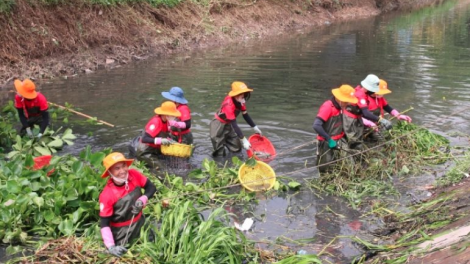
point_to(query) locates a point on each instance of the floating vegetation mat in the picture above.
(404, 151)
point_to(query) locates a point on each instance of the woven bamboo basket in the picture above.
(178, 150)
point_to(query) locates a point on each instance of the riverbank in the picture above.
(50, 41)
(434, 231)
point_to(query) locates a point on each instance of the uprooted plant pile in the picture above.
(407, 149)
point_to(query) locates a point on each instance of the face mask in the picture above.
(241, 100)
(120, 181)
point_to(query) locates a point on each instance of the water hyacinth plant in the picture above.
(33, 203)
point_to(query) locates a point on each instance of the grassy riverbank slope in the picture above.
(51, 38)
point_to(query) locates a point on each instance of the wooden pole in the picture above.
(80, 114)
(393, 117)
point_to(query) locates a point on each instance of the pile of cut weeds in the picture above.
(361, 175)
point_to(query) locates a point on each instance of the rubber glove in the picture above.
(117, 251)
(139, 204)
(386, 123)
(396, 114)
(108, 240)
(177, 124)
(163, 141)
(246, 143)
(332, 143)
(39, 135)
(370, 124)
(257, 130)
(29, 132)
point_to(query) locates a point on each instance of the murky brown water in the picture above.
(424, 56)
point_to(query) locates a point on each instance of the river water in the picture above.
(424, 56)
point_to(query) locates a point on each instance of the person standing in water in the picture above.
(224, 129)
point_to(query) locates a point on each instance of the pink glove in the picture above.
(144, 199)
(107, 236)
(370, 124)
(177, 124)
(396, 114)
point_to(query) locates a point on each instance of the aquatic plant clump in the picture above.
(406, 150)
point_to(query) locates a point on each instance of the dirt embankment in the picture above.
(38, 41)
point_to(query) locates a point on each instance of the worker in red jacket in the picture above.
(378, 103)
(156, 134)
(369, 86)
(224, 129)
(121, 203)
(180, 127)
(329, 126)
(32, 108)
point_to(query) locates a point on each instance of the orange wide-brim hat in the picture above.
(345, 93)
(26, 88)
(239, 88)
(112, 159)
(383, 88)
(167, 108)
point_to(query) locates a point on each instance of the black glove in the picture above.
(117, 251)
(137, 207)
(386, 123)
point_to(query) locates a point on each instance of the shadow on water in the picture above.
(424, 56)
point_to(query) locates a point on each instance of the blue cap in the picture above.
(176, 95)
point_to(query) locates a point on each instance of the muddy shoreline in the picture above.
(48, 42)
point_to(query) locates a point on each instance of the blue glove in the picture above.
(332, 143)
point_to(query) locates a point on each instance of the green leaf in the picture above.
(190, 187)
(77, 215)
(177, 182)
(97, 158)
(77, 166)
(42, 150)
(276, 185)
(49, 215)
(57, 143)
(29, 162)
(71, 194)
(197, 174)
(12, 154)
(68, 142)
(404, 170)
(13, 250)
(39, 201)
(35, 186)
(13, 186)
(251, 162)
(66, 227)
(294, 185)
(68, 134)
